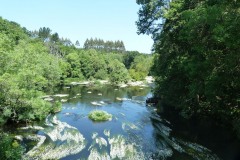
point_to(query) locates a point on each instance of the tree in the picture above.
(55, 38)
(129, 58)
(30, 71)
(197, 59)
(75, 65)
(140, 67)
(77, 44)
(44, 33)
(108, 46)
(13, 30)
(66, 42)
(86, 44)
(118, 72)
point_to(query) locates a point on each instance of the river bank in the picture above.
(220, 139)
(148, 80)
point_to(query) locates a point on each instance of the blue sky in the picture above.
(81, 19)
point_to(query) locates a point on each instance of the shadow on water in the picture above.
(206, 132)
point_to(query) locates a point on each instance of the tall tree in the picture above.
(54, 37)
(77, 44)
(197, 62)
(86, 44)
(44, 33)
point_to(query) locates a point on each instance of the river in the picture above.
(136, 131)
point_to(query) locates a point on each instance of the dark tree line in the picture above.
(197, 62)
(107, 46)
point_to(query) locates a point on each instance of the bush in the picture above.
(101, 74)
(57, 107)
(9, 149)
(98, 115)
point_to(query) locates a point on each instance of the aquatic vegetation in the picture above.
(128, 125)
(122, 114)
(119, 149)
(106, 132)
(132, 140)
(95, 155)
(38, 138)
(98, 115)
(94, 135)
(101, 142)
(70, 141)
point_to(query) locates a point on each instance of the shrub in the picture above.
(57, 106)
(9, 149)
(98, 115)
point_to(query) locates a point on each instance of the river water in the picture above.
(136, 131)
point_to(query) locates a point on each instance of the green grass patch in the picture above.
(98, 115)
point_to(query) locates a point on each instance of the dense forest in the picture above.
(197, 59)
(33, 63)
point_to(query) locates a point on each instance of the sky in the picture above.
(81, 19)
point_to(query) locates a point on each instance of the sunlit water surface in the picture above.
(135, 131)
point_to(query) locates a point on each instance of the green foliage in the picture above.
(129, 57)
(77, 44)
(55, 38)
(34, 62)
(140, 67)
(101, 45)
(44, 33)
(56, 107)
(27, 70)
(101, 74)
(9, 149)
(118, 72)
(98, 115)
(13, 31)
(197, 64)
(90, 64)
(75, 65)
(20, 103)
